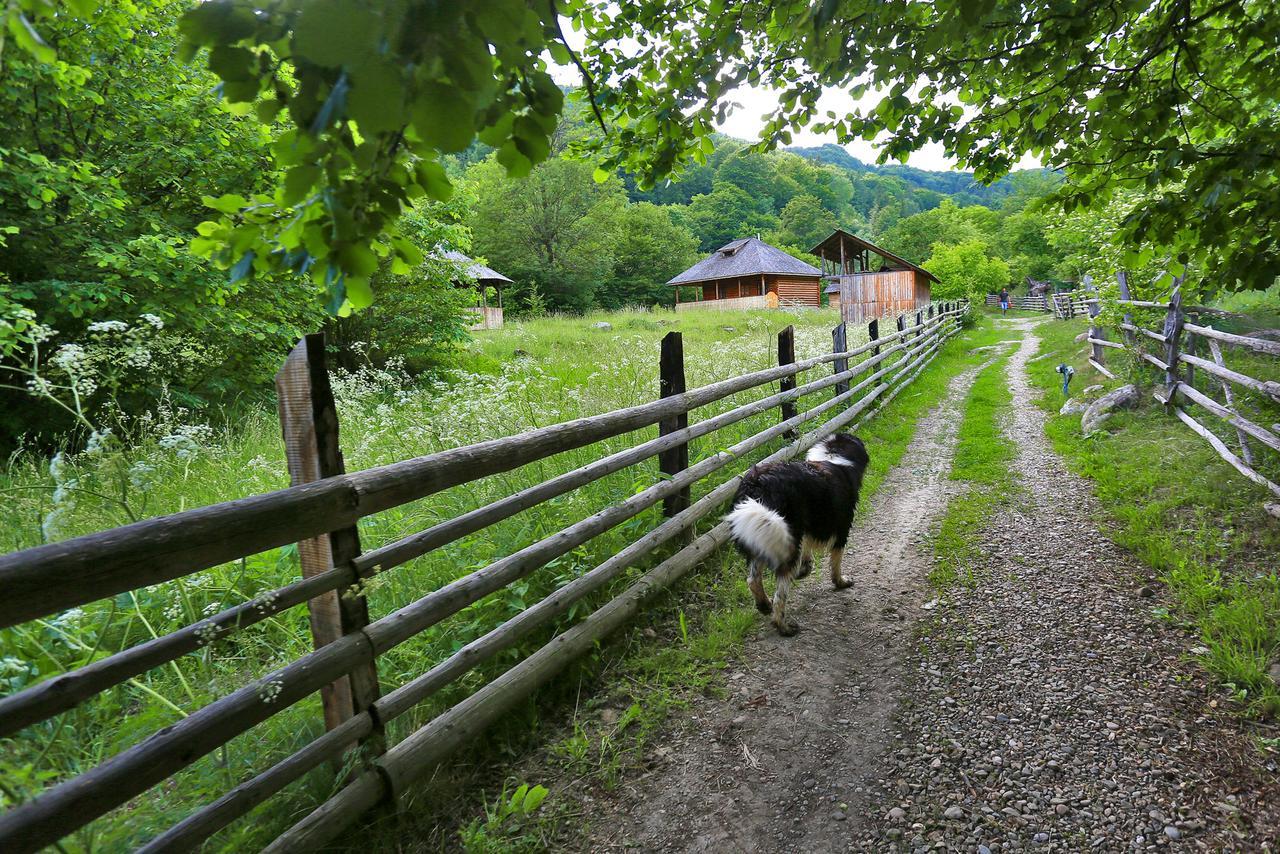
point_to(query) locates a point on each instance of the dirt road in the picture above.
(1045, 708)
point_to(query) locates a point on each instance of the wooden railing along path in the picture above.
(319, 513)
(1175, 343)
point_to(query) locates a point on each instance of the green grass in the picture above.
(981, 462)
(1183, 511)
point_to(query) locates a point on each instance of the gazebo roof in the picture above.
(474, 269)
(830, 250)
(749, 256)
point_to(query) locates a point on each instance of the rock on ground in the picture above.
(1125, 397)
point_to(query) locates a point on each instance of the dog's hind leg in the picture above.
(755, 581)
(785, 627)
(806, 562)
(837, 578)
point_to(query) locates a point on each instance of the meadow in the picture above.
(526, 375)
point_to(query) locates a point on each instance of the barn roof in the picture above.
(749, 256)
(830, 250)
(474, 268)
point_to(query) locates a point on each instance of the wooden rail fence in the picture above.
(319, 512)
(1176, 343)
(1024, 302)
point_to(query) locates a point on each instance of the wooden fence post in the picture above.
(671, 382)
(1130, 337)
(309, 424)
(787, 356)
(1094, 309)
(1172, 333)
(873, 334)
(919, 323)
(839, 344)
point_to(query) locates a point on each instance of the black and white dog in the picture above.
(784, 511)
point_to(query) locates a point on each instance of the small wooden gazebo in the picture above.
(481, 278)
(895, 285)
(749, 273)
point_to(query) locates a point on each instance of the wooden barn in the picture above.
(481, 278)
(749, 273)
(864, 288)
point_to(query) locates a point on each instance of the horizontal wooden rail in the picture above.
(1262, 434)
(1102, 342)
(136, 769)
(1270, 389)
(1100, 368)
(1225, 452)
(1147, 357)
(1155, 336)
(1259, 345)
(1138, 303)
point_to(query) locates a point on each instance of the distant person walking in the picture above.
(1004, 300)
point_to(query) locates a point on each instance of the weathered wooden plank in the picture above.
(838, 345)
(1245, 452)
(1270, 389)
(787, 356)
(671, 381)
(309, 426)
(1102, 342)
(1147, 357)
(1138, 303)
(1153, 335)
(1172, 332)
(1225, 452)
(1100, 368)
(1259, 345)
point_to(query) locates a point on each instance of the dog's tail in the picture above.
(761, 533)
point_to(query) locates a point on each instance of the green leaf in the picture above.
(29, 39)
(227, 203)
(533, 799)
(601, 175)
(443, 117)
(335, 32)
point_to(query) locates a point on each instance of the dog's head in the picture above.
(840, 449)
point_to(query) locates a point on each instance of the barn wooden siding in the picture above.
(864, 296)
(796, 290)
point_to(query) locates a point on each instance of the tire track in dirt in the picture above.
(784, 763)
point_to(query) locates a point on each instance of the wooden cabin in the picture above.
(480, 277)
(870, 282)
(749, 273)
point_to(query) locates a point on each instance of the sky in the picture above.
(747, 121)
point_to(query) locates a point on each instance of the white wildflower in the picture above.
(152, 320)
(108, 326)
(70, 358)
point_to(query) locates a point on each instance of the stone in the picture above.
(1073, 407)
(1274, 673)
(1090, 391)
(729, 328)
(1172, 832)
(838, 815)
(602, 324)
(1125, 397)
(897, 814)
(954, 813)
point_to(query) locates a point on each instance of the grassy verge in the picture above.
(982, 463)
(622, 700)
(1185, 513)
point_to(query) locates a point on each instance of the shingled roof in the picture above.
(475, 269)
(749, 256)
